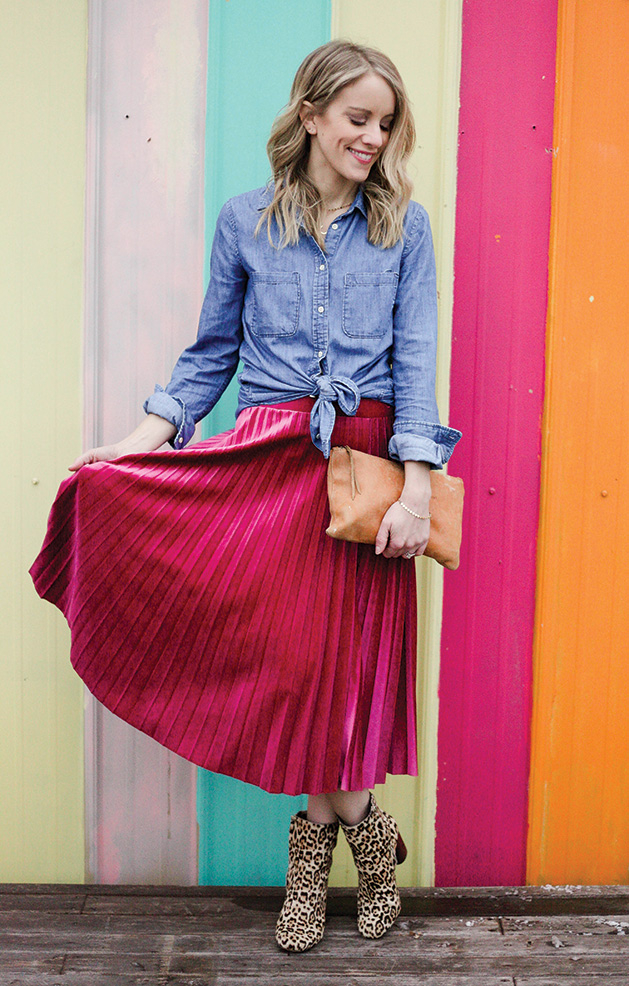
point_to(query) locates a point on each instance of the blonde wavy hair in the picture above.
(387, 190)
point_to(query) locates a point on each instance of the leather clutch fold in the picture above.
(362, 487)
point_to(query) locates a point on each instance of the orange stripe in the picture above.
(579, 786)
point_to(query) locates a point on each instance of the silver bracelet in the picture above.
(409, 511)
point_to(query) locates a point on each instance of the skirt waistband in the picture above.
(368, 408)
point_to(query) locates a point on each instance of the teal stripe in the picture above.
(254, 51)
(243, 833)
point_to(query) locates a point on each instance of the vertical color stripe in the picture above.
(503, 203)
(579, 812)
(423, 39)
(42, 113)
(254, 51)
(146, 115)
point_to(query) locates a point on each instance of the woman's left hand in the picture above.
(401, 534)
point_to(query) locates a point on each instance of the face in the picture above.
(353, 131)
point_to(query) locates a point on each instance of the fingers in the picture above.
(406, 551)
(81, 461)
(400, 549)
(401, 536)
(102, 454)
(382, 538)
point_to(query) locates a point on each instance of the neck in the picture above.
(332, 187)
(338, 195)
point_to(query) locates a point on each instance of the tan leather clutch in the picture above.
(362, 487)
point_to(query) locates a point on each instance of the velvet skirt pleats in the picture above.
(209, 609)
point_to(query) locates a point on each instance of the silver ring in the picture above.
(409, 555)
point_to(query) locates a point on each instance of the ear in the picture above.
(306, 115)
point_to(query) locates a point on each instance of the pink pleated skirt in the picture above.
(209, 609)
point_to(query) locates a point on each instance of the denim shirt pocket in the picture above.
(272, 303)
(368, 301)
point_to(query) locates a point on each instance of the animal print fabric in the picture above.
(302, 918)
(373, 843)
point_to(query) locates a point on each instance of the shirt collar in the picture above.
(358, 203)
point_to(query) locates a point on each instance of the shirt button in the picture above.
(321, 266)
(321, 354)
(335, 225)
(320, 309)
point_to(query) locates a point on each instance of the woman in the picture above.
(207, 606)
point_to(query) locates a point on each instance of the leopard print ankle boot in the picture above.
(302, 918)
(376, 846)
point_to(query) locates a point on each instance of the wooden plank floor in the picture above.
(202, 936)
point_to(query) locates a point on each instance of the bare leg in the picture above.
(320, 810)
(350, 806)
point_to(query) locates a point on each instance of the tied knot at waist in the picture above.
(329, 390)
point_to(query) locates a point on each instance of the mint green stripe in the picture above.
(255, 48)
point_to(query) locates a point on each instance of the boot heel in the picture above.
(401, 852)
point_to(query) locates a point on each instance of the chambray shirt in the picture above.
(354, 321)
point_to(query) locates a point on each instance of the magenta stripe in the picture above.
(501, 251)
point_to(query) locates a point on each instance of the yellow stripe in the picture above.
(579, 790)
(42, 108)
(424, 40)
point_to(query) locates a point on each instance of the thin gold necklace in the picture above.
(336, 208)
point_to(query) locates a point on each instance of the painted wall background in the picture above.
(239, 116)
(42, 117)
(146, 76)
(427, 54)
(579, 801)
(501, 261)
(424, 40)
(67, 375)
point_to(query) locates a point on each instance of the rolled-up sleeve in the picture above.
(417, 432)
(205, 368)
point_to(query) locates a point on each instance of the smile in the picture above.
(362, 156)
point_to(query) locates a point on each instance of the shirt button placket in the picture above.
(320, 335)
(321, 352)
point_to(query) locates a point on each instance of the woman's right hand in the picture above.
(101, 454)
(148, 436)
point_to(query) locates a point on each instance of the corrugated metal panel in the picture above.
(242, 103)
(424, 41)
(428, 56)
(579, 812)
(146, 113)
(503, 210)
(241, 37)
(42, 108)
